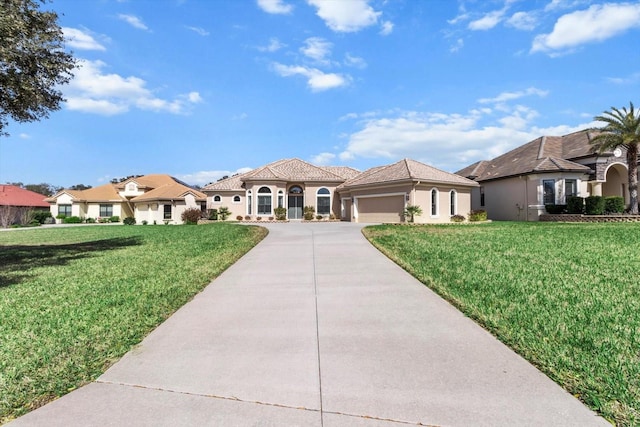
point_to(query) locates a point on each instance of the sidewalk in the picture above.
(314, 327)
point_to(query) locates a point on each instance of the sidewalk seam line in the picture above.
(315, 292)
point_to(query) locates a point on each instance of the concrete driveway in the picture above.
(314, 327)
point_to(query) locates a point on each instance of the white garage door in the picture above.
(380, 209)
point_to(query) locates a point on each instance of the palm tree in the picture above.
(622, 129)
(411, 211)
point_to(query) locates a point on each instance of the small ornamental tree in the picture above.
(412, 211)
(191, 216)
(224, 213)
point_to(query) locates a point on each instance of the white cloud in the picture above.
(354, 61)
(317, 49)
(134, 21)
(597, 23)
(323, 158)
(92, 91)
(278, 7)
(198, 30)
(525, 21)
(316, 80)
(633, 78)
(273, 46)
(24, 136)
(450, 141)
(488, 21)
(346, 16)
(459, 44)
(510, 96)
(79, 39)
(387, 28)
(205, 177)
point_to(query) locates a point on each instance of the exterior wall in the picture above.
(153, 212)
(521, 198)
(416, 195)
(92, 210)
(241, 209)
(65, 199)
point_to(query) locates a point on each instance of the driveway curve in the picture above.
(315, 327)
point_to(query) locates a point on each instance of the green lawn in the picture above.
(564, 296)
(74, 300)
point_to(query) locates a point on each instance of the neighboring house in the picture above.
(16, 202)
(377, 195)
(517, 185)
(153, 198)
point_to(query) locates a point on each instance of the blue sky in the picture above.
(200, 89)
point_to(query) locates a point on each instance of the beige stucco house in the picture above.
(377, 195)
(517, 185)
(153, 198)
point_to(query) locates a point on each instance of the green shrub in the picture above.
(213, 214)
(555, 209)
(478, 215)
(61, 216)
(129, 220)
(575, 205)
(191, 216)
(614, 205)
(319, 217)
(145, 222)
(90, 220)
(411, 211)
(594, 205)
(41, 216)
(281, 213)
(114, 218)
(72, 220)
(457, 218)
(308, 213)
(224, 213)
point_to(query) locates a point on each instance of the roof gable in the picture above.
(406, 170)
(543, 154)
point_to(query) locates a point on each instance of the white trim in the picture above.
(453, 192)
(323, 195)
(234, 197)
(213, 198)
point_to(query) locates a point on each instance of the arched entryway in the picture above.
(616, 182)
(295, 203)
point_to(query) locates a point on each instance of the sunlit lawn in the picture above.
(74, 300)
(565, 296)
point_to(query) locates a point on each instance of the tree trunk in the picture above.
(632, 160)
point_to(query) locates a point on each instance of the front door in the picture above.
(295, 206)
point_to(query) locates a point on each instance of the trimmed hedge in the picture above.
(478, 215)
(575, 205)
(555, 209)
(594, 205)
(614, 205)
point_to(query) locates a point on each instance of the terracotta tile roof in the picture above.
(157, 186)
(285, 170)
(406, 170)
(293, 170)
(543, 154)
(10, 195)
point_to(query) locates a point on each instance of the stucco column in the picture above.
(596, 189)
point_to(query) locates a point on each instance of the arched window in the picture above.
(296, 189)
(323, 201)
(434, 202)
(217, 198)
(264, 201)
(453, 202)
(249, 202)
(236, 199)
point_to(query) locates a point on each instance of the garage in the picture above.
(380, 209)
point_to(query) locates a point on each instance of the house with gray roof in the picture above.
(517, 185)
(379, 194)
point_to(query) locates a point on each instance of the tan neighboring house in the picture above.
(377, 195)
(154, 198)
(517, 185)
